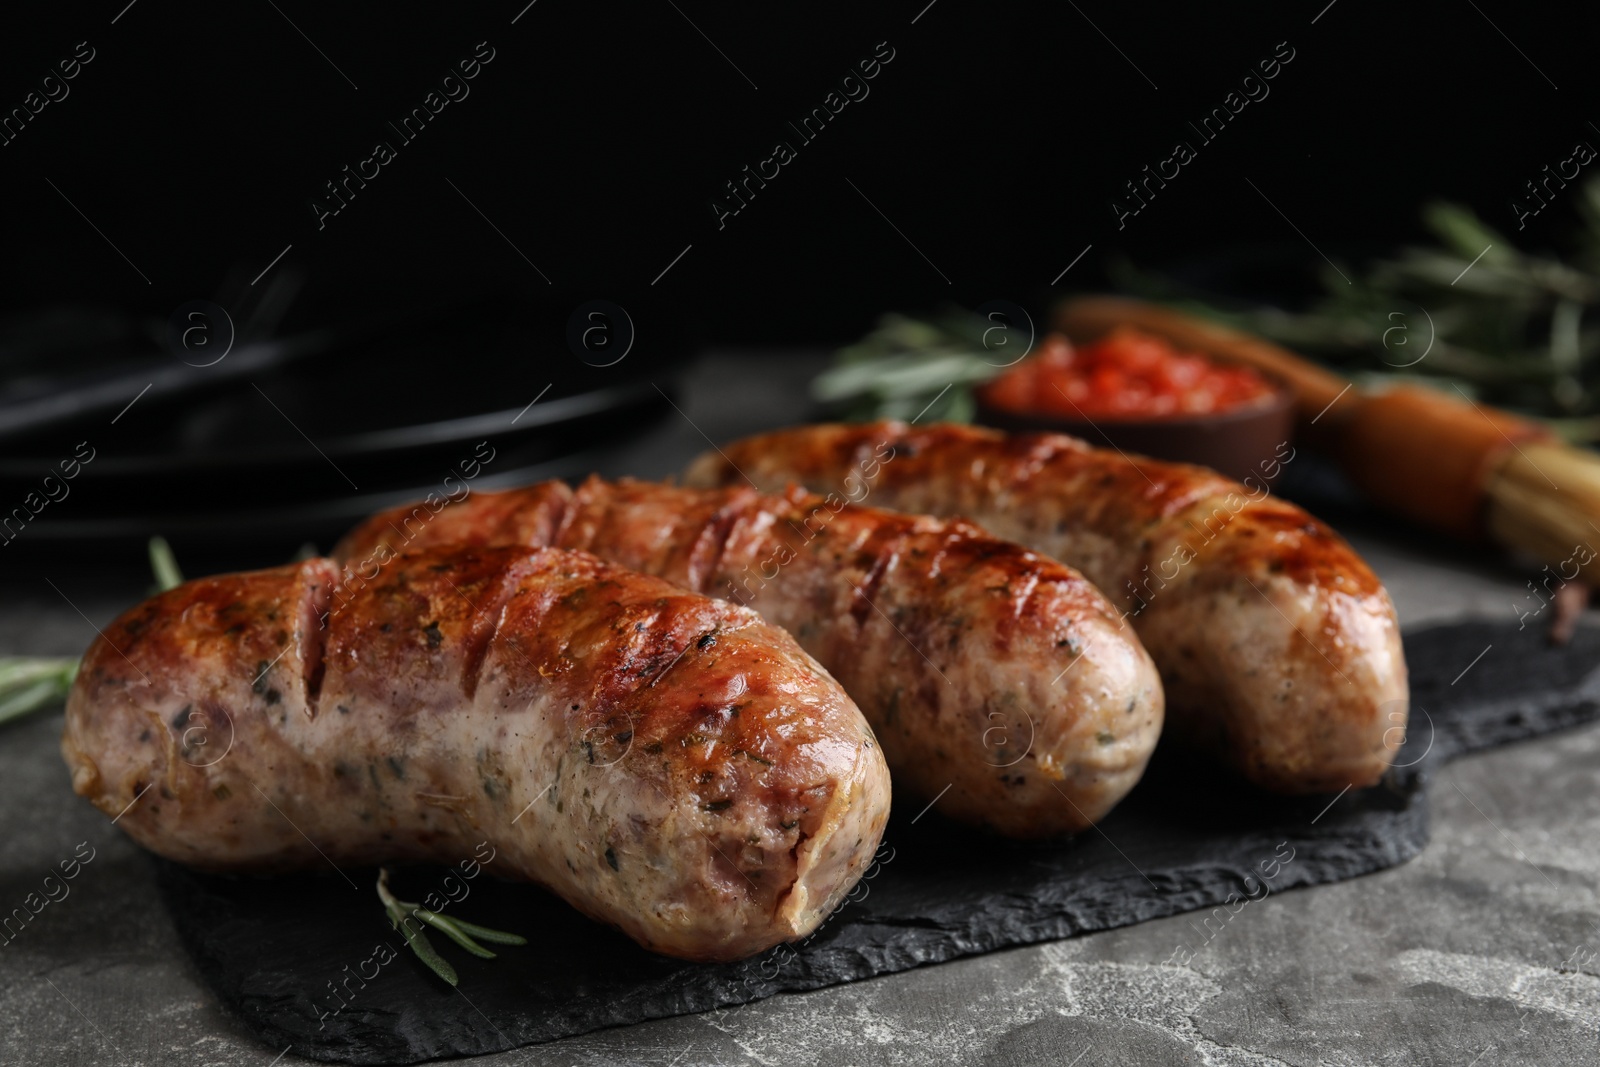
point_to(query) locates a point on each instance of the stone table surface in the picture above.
(1484, 950)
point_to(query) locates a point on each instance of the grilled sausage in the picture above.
(1278, 647)
(1001, 683)
(667, 763)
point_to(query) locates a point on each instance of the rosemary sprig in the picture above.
(907, 367)
(164, 565)
(1510, 327)
(408, 918)
(30, 683)
(1513, 328)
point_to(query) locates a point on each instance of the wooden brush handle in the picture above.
(1429, 456)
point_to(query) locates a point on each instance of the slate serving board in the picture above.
(1185, 839)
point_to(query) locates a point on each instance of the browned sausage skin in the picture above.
(1278, 647)
(668, 763)
(1001, 683)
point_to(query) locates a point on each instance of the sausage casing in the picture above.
(1001, 683)
(667, 763)
(1278, 647)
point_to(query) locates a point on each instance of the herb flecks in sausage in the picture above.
(1278, 647)
(463, 678)
(926, 623)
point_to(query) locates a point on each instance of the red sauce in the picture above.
(1126, 374)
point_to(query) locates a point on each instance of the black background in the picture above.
(598, 136)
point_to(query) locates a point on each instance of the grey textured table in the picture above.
(1485, 950)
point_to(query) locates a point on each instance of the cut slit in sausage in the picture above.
(313, 610)
(992, 675)
(1278, 647)
(512, 696)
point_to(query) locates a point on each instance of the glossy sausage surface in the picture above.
(1002, 684)
(667, 763)
(1278, 647)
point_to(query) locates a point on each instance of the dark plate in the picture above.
(300, 438)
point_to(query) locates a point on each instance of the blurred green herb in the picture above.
(164, 565)
(1507, 326)
(909, 368)
(32, 683)
(408, 918)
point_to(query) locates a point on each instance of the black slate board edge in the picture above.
(1524, 723)
(1510, 718)
(1183, 891)
(1198, 838)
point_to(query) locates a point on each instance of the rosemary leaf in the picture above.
(400, 914)
(38, 695)
(449, 928)
(164, 564)
(484, 933)
(29, 684)
(408, 918)
(1466, 234)
(906, 369)
(419, 943)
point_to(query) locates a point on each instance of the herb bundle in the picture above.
(1510, 328)
(913, 369)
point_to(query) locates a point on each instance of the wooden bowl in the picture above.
(1247, 443)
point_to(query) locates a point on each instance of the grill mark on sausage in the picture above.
(936, 562)
(485, 625)
(1020, 603)
(949, 592)
(1189, 535)
(572, 507)
(778, 723)
(885, 556)
(713, 540)
(1024, 455)
(556, 503)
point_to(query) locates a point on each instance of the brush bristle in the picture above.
(1544, 499)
